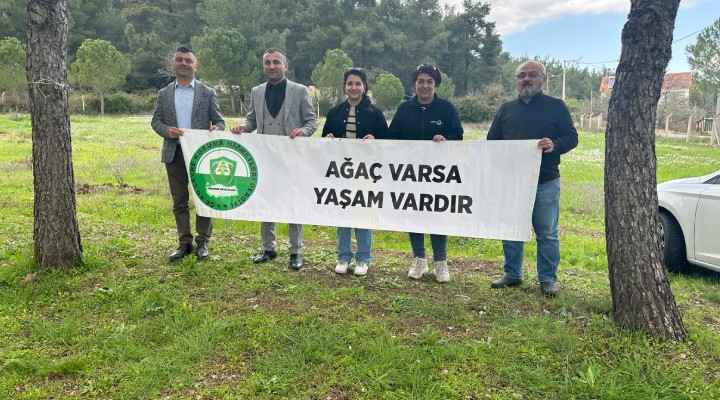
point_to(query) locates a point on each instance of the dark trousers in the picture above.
(178, 180)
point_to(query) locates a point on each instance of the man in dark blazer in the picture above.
(185, 103)
(279, 107)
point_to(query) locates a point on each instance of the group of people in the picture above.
(282, 107)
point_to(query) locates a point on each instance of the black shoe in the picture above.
(183, 250)
(549, 289)
(505, 281)
(265, 256)
(202, 251)
(295, 262)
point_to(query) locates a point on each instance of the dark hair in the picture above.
(184, 49)
(430, 69)
(275, 50)
(360, 73)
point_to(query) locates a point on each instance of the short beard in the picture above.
(529, 92)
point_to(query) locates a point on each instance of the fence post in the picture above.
(715, 138)
(667, 123)
(599, 121)
(689, 126)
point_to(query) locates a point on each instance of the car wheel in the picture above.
(672, 242)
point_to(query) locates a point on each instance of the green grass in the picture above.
(128, 324)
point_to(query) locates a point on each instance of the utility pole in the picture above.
(547, 84)
(565, 62)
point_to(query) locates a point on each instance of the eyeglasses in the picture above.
(355, 69)
(531, 75)
(432, 67)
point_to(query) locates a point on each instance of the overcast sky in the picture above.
(588, 30)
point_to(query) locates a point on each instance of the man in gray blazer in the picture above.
(185, 103)
(279, 107)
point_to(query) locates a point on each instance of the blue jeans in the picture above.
(544, 220)
(438, 242)
(364, 241)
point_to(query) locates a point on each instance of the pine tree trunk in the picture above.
(232, 100)
(642, 299)
(56, 234)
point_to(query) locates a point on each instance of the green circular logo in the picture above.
(223, 174)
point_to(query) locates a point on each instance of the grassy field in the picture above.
(128, 324)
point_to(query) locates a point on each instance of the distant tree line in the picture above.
(229, 36)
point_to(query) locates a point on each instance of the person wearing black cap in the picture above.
(427, 117)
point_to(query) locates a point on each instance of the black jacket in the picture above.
(542, 117)
(415, 121)
(368, 120)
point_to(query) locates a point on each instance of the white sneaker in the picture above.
(341, 267)
(442, 273)
(361, 268)
(418, 268)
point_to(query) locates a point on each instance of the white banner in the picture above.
(462, 188)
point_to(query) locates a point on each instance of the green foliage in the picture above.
(387, 92)
(12, 68)
(13, 18)
(446, 90)
(328, 75)
(153, 30)
(704, 60)
(323, 101)
(115, 103)
(390, 36)
(474, 47)
(100, 67)
(224, 58)
(472, 109)
(130, 324)
(575, 106)
(98, 19)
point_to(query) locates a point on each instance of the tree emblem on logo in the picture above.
(222, 170)
(223, 174)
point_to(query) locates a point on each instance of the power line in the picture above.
(599, 62)
(697, 31)
(674, 41)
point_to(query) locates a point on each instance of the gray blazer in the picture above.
(299, 112)
(205, 112)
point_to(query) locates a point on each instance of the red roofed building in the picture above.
(674, 82)
(606, 85)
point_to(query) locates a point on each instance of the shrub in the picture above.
(115, 103)
(120, 103)
(472, 109)
(225, 108)
(388, 91)
(322, 101)
(446, 90)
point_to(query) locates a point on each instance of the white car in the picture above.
(690, 221)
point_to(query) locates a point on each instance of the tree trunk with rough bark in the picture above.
(642, 299)
(56, 233)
